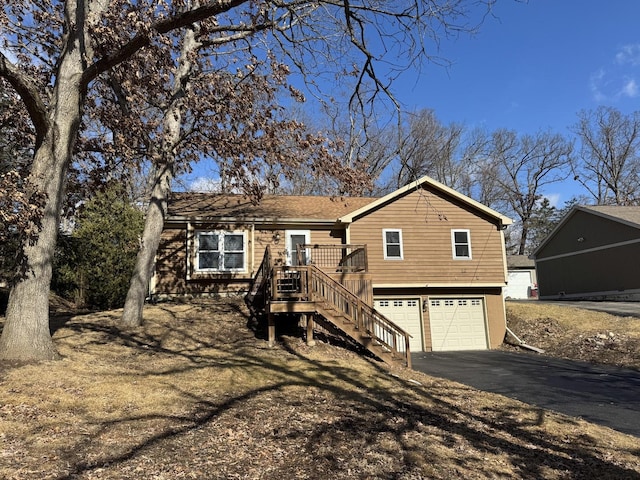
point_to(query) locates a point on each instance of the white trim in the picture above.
(588, 295)
(221, 234)
(589, 250)
(190, 250)
(504, 256)
(439, 285)
(437, 186)
(289, 247)
(453, 243)
(384, 243)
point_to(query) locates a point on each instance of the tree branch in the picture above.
(29, 94)
(161, 27)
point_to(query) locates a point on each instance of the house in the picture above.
(521, 278)
(592, 254)
(429, 260)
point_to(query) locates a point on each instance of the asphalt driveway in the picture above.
(622, 309)
(607, 396)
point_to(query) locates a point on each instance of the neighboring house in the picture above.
(521, 278)
(428, 258)
(593, 254)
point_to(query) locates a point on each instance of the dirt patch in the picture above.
(577, 334)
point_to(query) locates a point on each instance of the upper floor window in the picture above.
(461, 244)
(392, 244)
(220, 251)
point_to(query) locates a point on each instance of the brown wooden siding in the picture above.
(171, 261)
(426, 220)
(175, 274)
(594, 231)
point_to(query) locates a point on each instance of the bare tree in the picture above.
(523, 166)
(64, 47)
(609, 163)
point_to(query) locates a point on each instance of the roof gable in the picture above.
(425, 181)
(624, 215)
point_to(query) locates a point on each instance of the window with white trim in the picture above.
(220, 251)
(392, 239)
(461, 244)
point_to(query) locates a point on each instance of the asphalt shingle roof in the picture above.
(211, 205)
(629, 214)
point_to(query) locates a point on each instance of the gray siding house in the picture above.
(593, 254)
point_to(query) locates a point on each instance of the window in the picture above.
(461, 244)
(220, 251)
(392, 244)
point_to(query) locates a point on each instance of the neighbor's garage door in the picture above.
(518, 284)
(457, 324)
(406, 314)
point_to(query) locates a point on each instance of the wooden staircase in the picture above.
(307, 289)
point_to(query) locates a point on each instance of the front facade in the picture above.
(592, 255)
(436, 258)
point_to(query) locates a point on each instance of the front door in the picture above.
(294, 239)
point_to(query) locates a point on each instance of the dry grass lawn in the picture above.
(578, 334)
(194, 393)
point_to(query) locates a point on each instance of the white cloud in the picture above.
(595, 84)
(630, 88)
(206, 185)
(629, 55)
(554, 199)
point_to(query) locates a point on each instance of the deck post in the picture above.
(310, 319)
(271, 318)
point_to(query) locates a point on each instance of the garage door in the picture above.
(518, 285)
(457, 324)
(406, 314)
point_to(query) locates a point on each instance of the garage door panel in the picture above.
(406, 314)
(457, 324)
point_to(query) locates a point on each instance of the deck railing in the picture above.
(310, 283)
(334, 258)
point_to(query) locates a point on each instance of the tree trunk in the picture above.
(154, 223)
(26, 334)
(164, 172)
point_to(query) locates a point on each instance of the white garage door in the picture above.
(406, 314)
(518, 284)
(457, 324)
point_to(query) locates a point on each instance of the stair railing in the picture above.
(262, 279)
(321, 287)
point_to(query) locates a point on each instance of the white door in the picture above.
(294, 238)
(518, 284)
(457, 324)
(407, 315)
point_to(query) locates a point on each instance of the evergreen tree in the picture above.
(94, 264)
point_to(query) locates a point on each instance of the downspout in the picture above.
(523, 344)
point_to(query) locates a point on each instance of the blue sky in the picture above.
(533, 66)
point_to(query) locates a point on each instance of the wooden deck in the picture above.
(342, 298)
